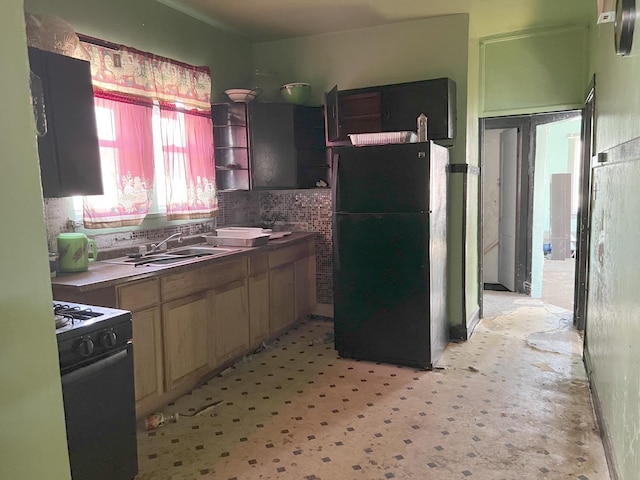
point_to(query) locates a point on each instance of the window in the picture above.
(156, 139)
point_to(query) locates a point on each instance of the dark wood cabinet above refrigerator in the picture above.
(392, 108)
(263, 146)
(68, 136)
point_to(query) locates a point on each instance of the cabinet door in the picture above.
(69, 151)
(305, 287)
(231, 147)
(229, 322)
(147, 354)
(258, 308)
(184, 326)
(403, 103)
(281, 297)
(331, 115)
(310, 145)
(273, 154)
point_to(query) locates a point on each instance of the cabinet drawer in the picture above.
(139, 295)
(258, 264)
(291, 254)
(202, 278)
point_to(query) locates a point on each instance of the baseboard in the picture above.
(473, 322)
(605, 434)
(323, 310)
(462, 333)
(495, 287)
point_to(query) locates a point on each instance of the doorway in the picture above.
(531, 168)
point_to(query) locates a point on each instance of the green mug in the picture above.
(73, 249)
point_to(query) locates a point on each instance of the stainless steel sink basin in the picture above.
(201, 251)
(182, 255)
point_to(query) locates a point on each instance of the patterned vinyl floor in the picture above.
(511, 403)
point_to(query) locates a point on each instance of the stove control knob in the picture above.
(85, 347)
(108, 339)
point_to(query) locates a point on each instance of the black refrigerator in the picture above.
(390, 252)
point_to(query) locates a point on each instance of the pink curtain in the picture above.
(187, 143)
(126, 152)
(145, 75)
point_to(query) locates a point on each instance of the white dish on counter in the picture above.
(249, 232)
(275, 235)
(242, 231)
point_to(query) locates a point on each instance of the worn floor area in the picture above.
(558, 280)
(511, 403)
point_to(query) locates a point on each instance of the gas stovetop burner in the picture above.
(61, 321)
(75, 312)
(85, 332)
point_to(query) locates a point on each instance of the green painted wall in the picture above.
(153, 27)
(32, 437)
(472, 280)
(612, 325)
(401, 52)
(541, 70)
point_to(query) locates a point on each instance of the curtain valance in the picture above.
(145, 75)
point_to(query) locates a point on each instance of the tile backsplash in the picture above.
(295, 210)
(305, 210)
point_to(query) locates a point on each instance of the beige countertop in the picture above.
(102, 274)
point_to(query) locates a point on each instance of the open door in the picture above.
(508, 211)
(584, 214)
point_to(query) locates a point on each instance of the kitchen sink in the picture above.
(182, 255)
(201, 251)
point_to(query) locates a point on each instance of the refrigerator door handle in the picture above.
(336, 181)
(334, 197)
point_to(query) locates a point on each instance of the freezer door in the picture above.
(382, 179)
(381, 288)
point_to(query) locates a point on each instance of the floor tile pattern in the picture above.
(511, 403)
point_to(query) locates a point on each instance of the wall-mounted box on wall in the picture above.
(606, 11)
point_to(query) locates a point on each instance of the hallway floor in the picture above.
(511, 403)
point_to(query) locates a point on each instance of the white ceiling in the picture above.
(265, 20)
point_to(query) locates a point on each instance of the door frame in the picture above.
(522, 124)
(583, 228)
(526, 125)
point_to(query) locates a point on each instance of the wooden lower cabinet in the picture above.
(258, 309)
(258, 299)
(187, 324)
(184, 326)
(281, 297)
(305, 286)
(147, 355)
(228, 324)
(142, 299)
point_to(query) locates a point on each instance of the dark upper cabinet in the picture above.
(69, 150)
(311, 152)
(391, 108)
(262, 146)
(273, 152)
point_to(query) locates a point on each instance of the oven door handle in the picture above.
(93, 368)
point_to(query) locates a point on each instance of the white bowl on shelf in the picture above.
(242, 95)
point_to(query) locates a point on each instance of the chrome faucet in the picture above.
(156, 246)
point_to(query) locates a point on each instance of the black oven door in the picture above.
(99, 406)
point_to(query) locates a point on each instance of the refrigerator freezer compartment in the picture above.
(383, 138)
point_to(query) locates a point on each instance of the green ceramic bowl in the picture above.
(297, 93)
